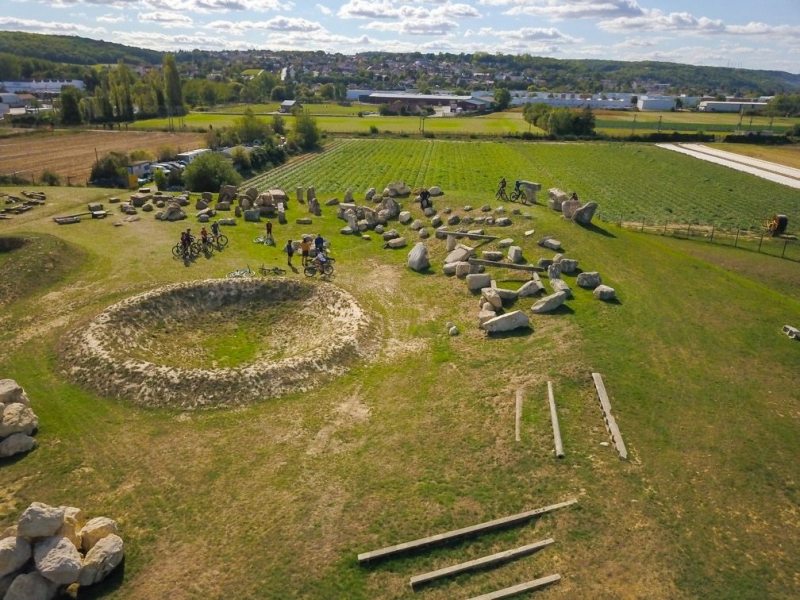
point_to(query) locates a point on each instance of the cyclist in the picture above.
(319, 261)
(517, 191)
(319, 243)
(425, 199)
(215, 229)
(501, 188)
(204, 237)
(186, 241)
(305, 249)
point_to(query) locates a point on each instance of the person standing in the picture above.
(319, 243)
(269, 230)
(305, 248)
(289, 249)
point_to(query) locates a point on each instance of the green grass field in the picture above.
(275, 500)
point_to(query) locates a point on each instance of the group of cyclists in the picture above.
(205, 239)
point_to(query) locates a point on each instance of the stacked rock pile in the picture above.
(17, 420)
(52, 548)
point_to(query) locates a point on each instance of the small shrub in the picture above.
(373, 130)
(50, 178)
(429, 135)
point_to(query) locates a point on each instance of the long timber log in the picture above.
(472, 236)
(516, 590)
(457, 534)
(503, 265)
(518, 415)
(559, 447)
(611, 422)
(479, 563)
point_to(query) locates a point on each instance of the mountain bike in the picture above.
(313, 267)
(241, 273)
(264, 270)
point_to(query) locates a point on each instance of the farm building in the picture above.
(288, 106)
(189, 156)
(655, 103)
(466, 103)
(12, 100)
(728, 106)
(43, 87)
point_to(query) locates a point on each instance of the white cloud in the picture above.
(54, 27)
(110, 19)
(200, 6)
(430, 26)
(383, 9)
(276, 24)
(324, 9)
(292, 24)
(367, 9)
(166, 19)
(527, 34)
(569, 9)
(162, 41)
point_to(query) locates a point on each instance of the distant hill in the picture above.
(73, 50)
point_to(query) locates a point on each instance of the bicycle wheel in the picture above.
(278, 271)
(196, 248)
(514, 196)
(327, 268)
(309, 270)
(208, 247)
(177, 251)
(222, 240)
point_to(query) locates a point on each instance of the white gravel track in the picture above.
(778, 173)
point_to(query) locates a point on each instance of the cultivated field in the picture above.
(275, 499)
(629, 181)
(71, 154)
(784, 155)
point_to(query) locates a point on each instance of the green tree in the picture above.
(327, 91)
(278, 124)
(306, 132)
(240, 157)
(535, 113)
(279, 93)
(502, 98)
(71, 106)
(250, 128)
(121, 82)
(173, 94)
(208, 172)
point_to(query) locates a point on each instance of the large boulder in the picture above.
(549, 303)
(493, 255)
(554, 271)
(11, 392)
(568, 265)
(478, 281)
(491, 296)
(550, 242)
(17, 418)
(391, 206)
(504, 243)
(40, 520)
(436, 221)
(31, 586)
(74, 520)
(58, 560)
(485, 315)
(559, 285)
(227, 193)
(506, 295)
(14, 553)
(16, 443)
(459, 254)
(556, 197)
(507, 322)
(530, 288)
(604, 292)
(397, 243)
(390, 235)
(569, 207)
(583, 215)
(418, 258)
(515, 254)
(103, 558)
(253, 215)
(417, 225)
(435, 190)
(95, 530)
(589, 279)
(405, 217)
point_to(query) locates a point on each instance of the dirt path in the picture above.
(760, 168)
(71, 154)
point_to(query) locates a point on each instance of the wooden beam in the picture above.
(515, 590)
(503, 265)
(518, 416)
(611, 422)
(559, 447)
(472, 236)
(457, 534)
(479, 563)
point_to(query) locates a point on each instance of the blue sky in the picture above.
(752, 34)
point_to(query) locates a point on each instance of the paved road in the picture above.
(760, 168)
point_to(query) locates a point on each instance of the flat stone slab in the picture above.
(507, 322)
(589, 279)
(478, 281)
(530, 288)
(559, 285)
(549, 303)
(459, 254)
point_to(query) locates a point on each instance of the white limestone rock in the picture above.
(507, 322)
(460, 254)
(478, 281)
(515, 254)
(568, 265)
(493, 255)
(530, 288)
(418, 258)
(549, 303)
(604, 292)
(589, 279)
(16, 443)
(11, 392)
(405, 217)
(58, 560)
(491, 296)
(14, 553)
(559, 285)
(95, 530)
(31, 586)
(17, 418)
(485, 315)
(40, 520)
(397, 243)
(103, 558)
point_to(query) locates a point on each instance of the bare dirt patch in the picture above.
(72, 154)
(141, 349)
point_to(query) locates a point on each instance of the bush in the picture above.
(111, 170)
(165, 153)
(50, 178)
(137, 155)
(373, 130)
(208, 172)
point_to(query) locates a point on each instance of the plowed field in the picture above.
(71, 154)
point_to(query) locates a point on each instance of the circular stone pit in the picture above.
(219, 342)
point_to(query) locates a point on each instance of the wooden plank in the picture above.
(559, 447)
(456, 534)
(479, 563)
(515, 590)
(503, 265)
(472, 236)
(611, 422)
(518, 416)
